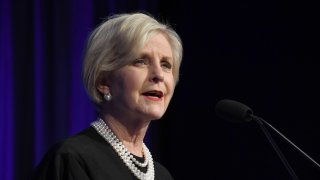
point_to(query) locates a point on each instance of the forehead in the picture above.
(159, 45)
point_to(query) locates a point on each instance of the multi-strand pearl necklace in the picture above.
(103, 129)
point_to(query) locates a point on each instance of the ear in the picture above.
(102, 84)
(103, 89)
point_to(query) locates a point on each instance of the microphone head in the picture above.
(233, 111)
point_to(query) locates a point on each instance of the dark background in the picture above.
(261, 53)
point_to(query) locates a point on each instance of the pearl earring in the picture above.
(107, 97)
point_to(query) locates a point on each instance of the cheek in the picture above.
(130, 87)
(127, 81)
(170, 87)
(134, 82)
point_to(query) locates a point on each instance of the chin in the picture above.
(156, 116)
(153, 113)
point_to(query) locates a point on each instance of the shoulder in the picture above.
(78, 143)
(73, 156)
(76, 147)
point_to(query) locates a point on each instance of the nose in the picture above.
(156, 74)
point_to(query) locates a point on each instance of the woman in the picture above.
(130, 71)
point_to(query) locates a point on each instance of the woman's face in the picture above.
(143, 88)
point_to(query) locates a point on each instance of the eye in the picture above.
(140, 62)
(166, 65)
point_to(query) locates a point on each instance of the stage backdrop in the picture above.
(261, 53)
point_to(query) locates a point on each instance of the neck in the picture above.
(132, 163)
(131, 133)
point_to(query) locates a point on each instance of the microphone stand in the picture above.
(260, 121)
(238, 112)
(291, 143)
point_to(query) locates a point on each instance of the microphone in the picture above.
(234, 111)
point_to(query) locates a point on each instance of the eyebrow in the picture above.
(146, 55)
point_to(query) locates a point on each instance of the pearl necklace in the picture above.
(103, 129)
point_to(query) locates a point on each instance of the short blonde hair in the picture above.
(117, 41)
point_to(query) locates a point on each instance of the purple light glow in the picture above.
(38, 74)
(6, 96)
(81, 22)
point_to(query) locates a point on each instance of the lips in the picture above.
(153, 93)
